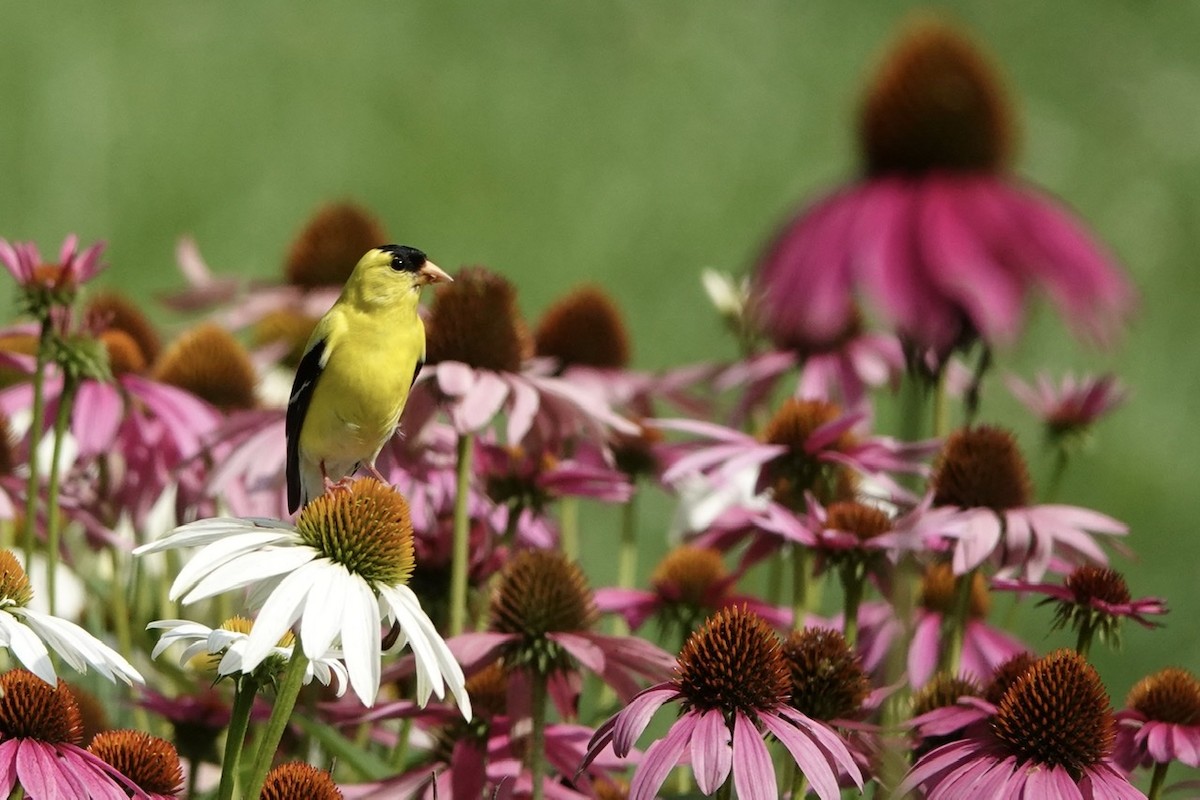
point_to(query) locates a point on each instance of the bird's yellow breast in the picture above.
(364, 385)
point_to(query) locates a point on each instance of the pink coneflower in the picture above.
(936, 236)
(808, 447)
(49, 284)
(40, 732)
(1072, 407)
(295, 779)
(476, 352)
(687, 586)
(984, 647)
(732, 684)
(540, 622)
(1161, 722)
(1051, 736)
(1092, 601)
(982, 501)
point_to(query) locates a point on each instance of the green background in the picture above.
(630, 144)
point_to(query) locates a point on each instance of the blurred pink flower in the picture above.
(1161, 723)
(73, 269)
(1074, 405)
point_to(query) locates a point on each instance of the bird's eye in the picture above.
(399, 264)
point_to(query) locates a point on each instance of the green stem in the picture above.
(54, 514)
(1157, 780)
(941, 408)
(33, 490)
(799, 784)
(461, 554)
(400, 751)
(285, 701)
(1057, 472)
(537, 736)
(801, 585)
(951, 656)
(121, 625)
(1084, 643)
(627, 557)
(568, 525)
(726, 790)
(913, 410)
(235, 737)
(775, 579)
(852, 594)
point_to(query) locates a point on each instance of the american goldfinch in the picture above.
(357, 369)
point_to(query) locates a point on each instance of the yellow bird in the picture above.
(357, 369)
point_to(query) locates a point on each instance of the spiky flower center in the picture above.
(541, 592)
(798, 471)
(584, 329)
(1005, 675)
(488, 690)
(689, 575)
(939, 591)
(288, 328)
(240, 624)
(981, 467)
(475, 320)
(8, 459)
(30, 708)
(942, 691)
(634, 453)
(148, 761)
(863, 521)
(15, 588)
(733, 663)
(326, 251)
(827, 678)
(1057, 713)
(935, 104)
(367, 528)
(1171, 695)
(1089, 583)
(296, 780)
(124, 355)
(208, 362)
(115, 312)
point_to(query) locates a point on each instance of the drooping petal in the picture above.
(712, 751)
(660, 758)
(753, 773)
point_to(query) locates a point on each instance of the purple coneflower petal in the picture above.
(637, 715)
(814, 765)
(753, 773)
(712, 751)
(661, 757)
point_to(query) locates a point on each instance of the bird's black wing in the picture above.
(302, 392)
(417, 369)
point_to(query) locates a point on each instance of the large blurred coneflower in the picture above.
(937, 235)
(1051, 735)
(211, 364)
(983, 507)
(40, 731)
(732, 685)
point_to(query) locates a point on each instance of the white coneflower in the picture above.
(338, 574)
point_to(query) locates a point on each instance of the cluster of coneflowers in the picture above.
(437, 636)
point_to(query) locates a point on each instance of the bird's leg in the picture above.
(377, 475)
(331, 485)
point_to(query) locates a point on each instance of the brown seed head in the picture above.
(541, 592)
(366, 528)
(92, 713)
(30, 708)
(148, 761)
(488, 690)
(939, 591)
(610, 789)
(1007, 674)
(936, 103)
(286, 327)
(1057, 713)
(690, 575)
(796, 471)
(124, 355)
(943, 690)
(733, 663)
(827, 678)
(330, 245)
(584, 329)
(22, 344)
(475, 320)
(8, 459)
(1171, 695)
(208, 362)
(296, 780)
(865, 522)
(116, 312)
(1089, 583)
(634, 454)
(981, 467)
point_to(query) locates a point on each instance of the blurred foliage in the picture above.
(624, 142)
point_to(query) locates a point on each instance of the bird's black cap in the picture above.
(404, 258)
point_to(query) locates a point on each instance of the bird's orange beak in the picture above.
(432, 273)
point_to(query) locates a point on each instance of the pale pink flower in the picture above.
(73, 269)
(1072, 406)
(1161, 722)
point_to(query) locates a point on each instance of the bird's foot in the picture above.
(377, 475)
(342, 485)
